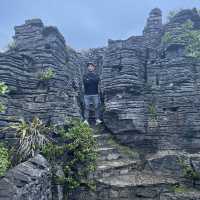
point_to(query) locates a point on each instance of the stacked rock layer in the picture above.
(152, 92)
(39, 49)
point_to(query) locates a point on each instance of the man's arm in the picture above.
(83, 83)
(100, 89)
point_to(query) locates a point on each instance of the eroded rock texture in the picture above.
(37, 49)
(28, 180)
(152, 92)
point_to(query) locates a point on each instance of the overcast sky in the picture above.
(85, 23)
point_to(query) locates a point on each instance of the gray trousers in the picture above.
(92, 100)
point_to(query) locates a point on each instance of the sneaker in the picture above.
(86, 122)
(98, 121)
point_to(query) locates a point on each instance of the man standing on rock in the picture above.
(91, 83)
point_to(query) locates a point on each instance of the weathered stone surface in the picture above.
(151, 95)
(37, 49)
(151, 101)
(28, 181)
(181, 196)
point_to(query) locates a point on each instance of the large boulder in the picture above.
(27, 181)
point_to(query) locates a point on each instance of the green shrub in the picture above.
(47, 74)
(76, 154)
(167, 38)
(152, 112)
(32, 138)
(172, 14)
(186, 36)
(4, 159)
(188, 171)
(3, 90)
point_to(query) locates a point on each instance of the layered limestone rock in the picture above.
(151, 100)
(38, 48)
(122, 175)
(153, 30)
(151, 103)
(29, 180)
(175, 47)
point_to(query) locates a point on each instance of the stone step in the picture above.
(102, 139)
(108, 153)
(138, 178)
(103, 135)
(115, 167)
(139, 185)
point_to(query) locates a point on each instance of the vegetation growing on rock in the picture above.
(11, 45)
(47, 74)
(32, 138)
(3, 90)
(172, 13)
(75, 153)
(4, 159)
(189, 172)
(187, 36)
(180, 189)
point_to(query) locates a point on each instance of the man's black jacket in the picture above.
(91, 81)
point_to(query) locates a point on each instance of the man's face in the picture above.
(91, 68)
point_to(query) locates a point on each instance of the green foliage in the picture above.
(76, 154)
(4, 160)
(152, 111)
(180, 189)
(186, 36)
(2, 107)
(193, 47)
(172, 14)
(33, 136)
(167, 38)
(188, 171)
(3, 90)
(47, 74)
(11, 45)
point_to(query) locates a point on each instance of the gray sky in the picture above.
(85, 23)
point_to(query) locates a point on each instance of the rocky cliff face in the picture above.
(151, 103)
(151, 100)
(37, 49)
